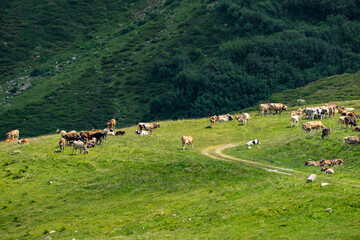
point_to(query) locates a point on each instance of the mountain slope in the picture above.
(76, 64)
(148, 187)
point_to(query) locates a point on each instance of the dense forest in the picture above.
(74, 64)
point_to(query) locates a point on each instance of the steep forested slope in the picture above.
(75, 64)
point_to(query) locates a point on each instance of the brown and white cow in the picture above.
(62, 144)
(61, 132)
(213, 120)
(79, 145)
(23, 141)
(351, 140)
(148, 126)
(277, 107)
(264, 108)
(111, 124)
(14, 134)
(224, 118)
(244, 118)
(187, 140)
(312, 125)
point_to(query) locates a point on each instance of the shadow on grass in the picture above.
(207, 127)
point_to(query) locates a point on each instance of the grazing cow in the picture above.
(356, 129)
(187, 140)
(61, 132)
(295, 120)
(351, 140)
(243, 118)
(341, 110)
(213, 120)
(253, 142)
(111, 124)
(23, 141)
(62, 144)
(328, 170)
(325, 132)
(277, 107)
(350, 121)
(14, 134)
(79, 145)
(263, 108)
(312, 163)
(141, 133)
(224, 118)
(100, 136)
(332, 109)
(311, 125)
(91, 143)
(120, 133)
(71, 137)
(85, 136)
(148, 126)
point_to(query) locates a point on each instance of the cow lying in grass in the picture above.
(328, 170)
(243, 118)
(23, 141)
(141, 133)
(224, 118)
(14, 134)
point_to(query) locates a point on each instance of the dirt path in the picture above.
(216, 152)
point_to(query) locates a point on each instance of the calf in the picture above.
(120, 133)
(187, 140)
(23, 141)
(62, 144)
(79, 145)
(91, 143)
(351, 140)
(356, 129)
(141, 133)
(325, 132)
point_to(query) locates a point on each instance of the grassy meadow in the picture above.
(148, 187)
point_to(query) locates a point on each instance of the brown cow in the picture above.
(61, 132)
(325, 132)
(277, 107)
(312, 163)
(121, 132)
(351, 140)
(356, 129)
(187, 140)
(311, 125)
(23, 141)
(70, 137)
(213, 120)
(111, 124)
(148, 126)
(263, 108)
(14, 134)
(328, 170)
(62, 144)
(224, 118)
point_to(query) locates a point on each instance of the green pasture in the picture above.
(149, 188)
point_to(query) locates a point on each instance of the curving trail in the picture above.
(216, 152)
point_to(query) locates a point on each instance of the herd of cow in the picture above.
(89, 139)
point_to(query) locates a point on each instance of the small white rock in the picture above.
(328, 210)
(324, 184)
(311, 178)
(52, 231)
(249, 147)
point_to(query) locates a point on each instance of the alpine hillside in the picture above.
(74, 64)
